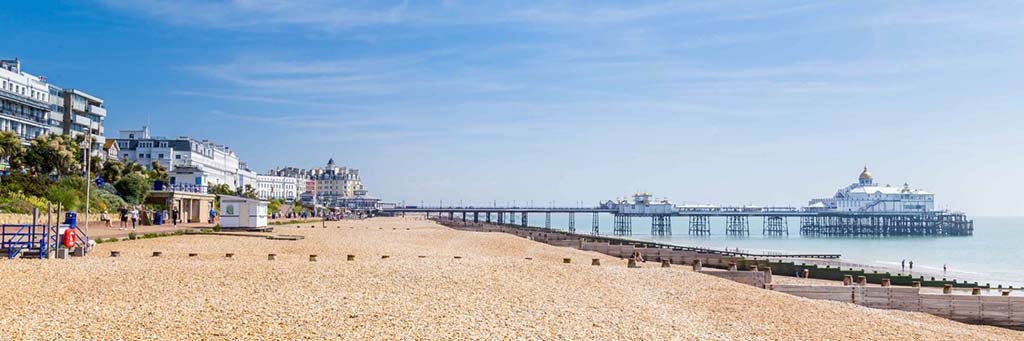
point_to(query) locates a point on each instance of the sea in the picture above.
(993, 255)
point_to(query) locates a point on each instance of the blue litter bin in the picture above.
(71, 218)
(158, 218)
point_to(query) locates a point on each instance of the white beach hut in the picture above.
(240, 212)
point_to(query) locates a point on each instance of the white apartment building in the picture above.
(279, 187)
(30, 107)
(25, 103)
(190, 162)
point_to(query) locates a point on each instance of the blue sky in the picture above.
(746, 102)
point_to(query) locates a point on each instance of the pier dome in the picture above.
(865, 177)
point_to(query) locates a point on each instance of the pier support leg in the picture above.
(525, 216)
(699, 225)
(595, 227)
(547, 220)
(775, 225)
(476, 217)
(572, 222)
(737, 225)
(488, 217)
(661, 225)
(623, 225)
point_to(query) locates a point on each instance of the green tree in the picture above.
(112, 171)
(10, 145)
(134, 188)
(221, 189)
(132, 167)
(248, 192)
(158, 172)
(53, 154)
(275, 205)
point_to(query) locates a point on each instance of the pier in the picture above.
(813, 221)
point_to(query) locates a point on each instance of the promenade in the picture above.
(411, 278)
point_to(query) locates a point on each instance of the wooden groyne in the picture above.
(1003, 311)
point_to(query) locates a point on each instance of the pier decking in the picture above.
(812, 222)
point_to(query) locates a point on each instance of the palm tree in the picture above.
(10, 145)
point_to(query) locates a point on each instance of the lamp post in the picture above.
(88, 177)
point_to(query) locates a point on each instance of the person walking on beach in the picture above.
(124, 218)
(135, 217)
(903, 264)
(637, 256)
(911, 265)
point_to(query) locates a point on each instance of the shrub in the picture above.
(133, 188)
(216, 228)
(132, 236)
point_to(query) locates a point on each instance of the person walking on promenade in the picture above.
(124, 218)
(135, 217)
(213, 214)
(943, 269)
(174, 216)
(903, 264)
(911, 266)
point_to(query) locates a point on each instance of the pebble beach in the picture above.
(411, 279)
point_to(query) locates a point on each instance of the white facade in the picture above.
(191, 163)
(642, 204)
(331, 183)
(279, 187)
(866, 196)
(25, 103)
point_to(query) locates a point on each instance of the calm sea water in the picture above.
(994, 254)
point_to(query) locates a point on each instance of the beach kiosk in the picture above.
(242, 213)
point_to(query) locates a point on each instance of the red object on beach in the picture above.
(69, 238)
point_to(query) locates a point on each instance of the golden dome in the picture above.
(865, 175)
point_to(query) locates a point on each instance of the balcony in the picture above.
(101, 111)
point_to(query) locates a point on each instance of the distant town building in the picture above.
(866, 196)
(32, 107)
(279, 187)
(330, 184)
(191, 163)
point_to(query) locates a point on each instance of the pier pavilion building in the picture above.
(867, 196)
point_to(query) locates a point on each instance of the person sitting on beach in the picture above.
(104, 218)
(637, 256)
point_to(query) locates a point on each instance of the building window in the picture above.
(177, 157)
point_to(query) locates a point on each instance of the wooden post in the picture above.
(632, 264)
(768, 275)
(1006, 293)
(566, 260)
(886, 282)
(751, 267)
(385, 257)
(115, 253)
(312, 258)
(847, 280)
(862, 280)
(697, 266)
(351, 257)
(732, 266)
(975, 291)
(157, 253)
(807, 273)
(229, 255)
(947, 289)
(916, 284)
(529, 258)
(271, 256)
(193, 254)
(595, 262)
(665, 263)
